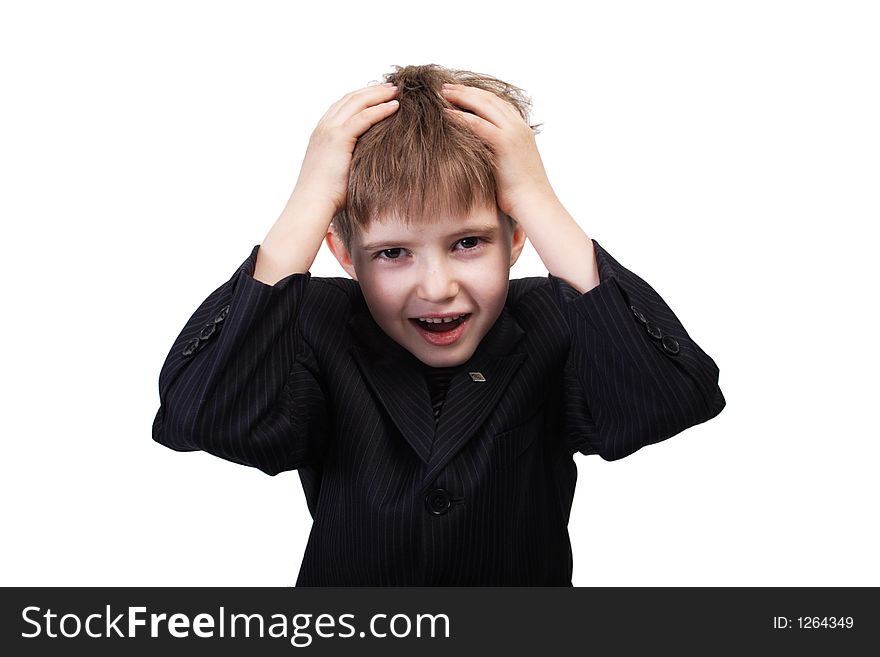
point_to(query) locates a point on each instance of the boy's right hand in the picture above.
(322, 187)
(325, 169)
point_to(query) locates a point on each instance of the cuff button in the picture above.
(208, 331)
(190, 348)
(653, 330)
(222, 314)
(670, 344)
(639, 314)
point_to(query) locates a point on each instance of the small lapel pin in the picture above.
(477, 376)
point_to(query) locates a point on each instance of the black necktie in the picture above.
(438, 382)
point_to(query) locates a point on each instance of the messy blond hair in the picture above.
(420, 163)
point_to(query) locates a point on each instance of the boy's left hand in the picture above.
(520, 177)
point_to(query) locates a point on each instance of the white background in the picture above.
(725, 152)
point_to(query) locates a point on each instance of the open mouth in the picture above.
(441, 326)
(440, 333)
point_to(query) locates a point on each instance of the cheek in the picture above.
(493, 296)
(493, 281)
(384, 295)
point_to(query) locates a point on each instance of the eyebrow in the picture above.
(465, 231)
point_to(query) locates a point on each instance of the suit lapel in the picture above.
(469, 403)
(395, 377)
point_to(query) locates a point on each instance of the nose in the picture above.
(438, 283)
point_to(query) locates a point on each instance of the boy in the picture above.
(431, 405)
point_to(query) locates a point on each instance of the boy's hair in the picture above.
(420, 163)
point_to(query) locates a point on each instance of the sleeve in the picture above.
(239, 382)
(633, 376)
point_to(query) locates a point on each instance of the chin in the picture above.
(455, 362)
(437, 359)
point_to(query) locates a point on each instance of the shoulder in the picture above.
(324, 312)
(328, 305)
(334, 295)
(335, 288)
(532, 301)
(519, 289)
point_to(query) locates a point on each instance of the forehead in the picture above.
(394, 230)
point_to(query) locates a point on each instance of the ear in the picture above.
(518, 241)
(334, 243)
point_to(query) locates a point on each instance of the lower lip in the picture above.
(445, 338)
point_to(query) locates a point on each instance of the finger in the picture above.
(480, 126)
(482, 102)
(355, 101)
(359, 123)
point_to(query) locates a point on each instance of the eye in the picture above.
(388, 254)
(470, 243)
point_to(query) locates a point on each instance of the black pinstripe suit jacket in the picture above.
(299, 376)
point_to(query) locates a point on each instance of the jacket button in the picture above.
(438, 501)
(653, 330)
(190, 348)
(222, 314)
(208, 331)
(670, 344)
(639, 314)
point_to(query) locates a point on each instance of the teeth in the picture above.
(440, 320)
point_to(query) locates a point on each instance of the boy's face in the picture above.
(456, 266)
